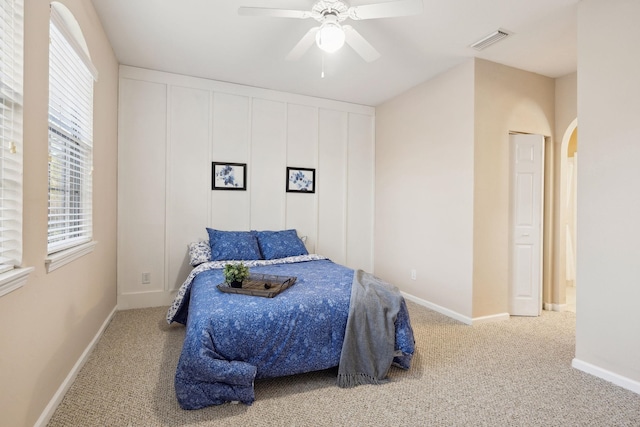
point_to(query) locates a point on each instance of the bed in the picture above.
(233, 339)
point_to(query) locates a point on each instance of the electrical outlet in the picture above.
(413, 274)
(146, 278)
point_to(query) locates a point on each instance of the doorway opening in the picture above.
(565, 297)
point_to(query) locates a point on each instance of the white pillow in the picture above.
(199, 252)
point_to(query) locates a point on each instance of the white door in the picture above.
(527, 180)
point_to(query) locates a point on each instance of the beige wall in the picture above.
(506, 99)
(47, 324)
(566, 103)
(608, 266)
(442, 183)
(424, 190)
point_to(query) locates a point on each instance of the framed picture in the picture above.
(301, 180)
(228, 176)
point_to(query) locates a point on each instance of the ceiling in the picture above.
(207, 38)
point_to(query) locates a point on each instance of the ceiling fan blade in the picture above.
(278, 13)
(390, 9)
(359, 44)
(303, 45)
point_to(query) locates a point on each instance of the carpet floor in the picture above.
(511, 373)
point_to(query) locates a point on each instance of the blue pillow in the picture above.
(233, 245)
(280, 244)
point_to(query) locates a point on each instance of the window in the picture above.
(11, 65)
(71, 78)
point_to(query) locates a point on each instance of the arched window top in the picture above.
(71, 87)
(64, 20)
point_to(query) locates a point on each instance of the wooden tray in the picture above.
(255, 285)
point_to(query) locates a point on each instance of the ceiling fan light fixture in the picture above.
(330, 37)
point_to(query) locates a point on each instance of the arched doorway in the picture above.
(566, 295)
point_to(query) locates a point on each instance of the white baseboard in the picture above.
(492, 318)
(555, 307)
(619, 380)
(435, 307)
(145, 299)
(455, 315)
(64, 387)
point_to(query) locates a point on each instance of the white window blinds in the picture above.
(70, 140)
(11, 64)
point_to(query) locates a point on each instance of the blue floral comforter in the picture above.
(233, 339)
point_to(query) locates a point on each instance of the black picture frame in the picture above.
(300, 180)
(228, 176)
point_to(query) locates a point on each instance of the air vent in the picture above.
(492, 38)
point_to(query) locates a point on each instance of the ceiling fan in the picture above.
(330, 35)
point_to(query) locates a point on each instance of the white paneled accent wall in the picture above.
(171, 128)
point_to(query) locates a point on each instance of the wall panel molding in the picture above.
(198, 121)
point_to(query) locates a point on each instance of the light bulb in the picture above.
(330, 37)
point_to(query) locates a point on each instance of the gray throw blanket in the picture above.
(369, 340)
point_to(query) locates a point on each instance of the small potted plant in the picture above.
(234, 274)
